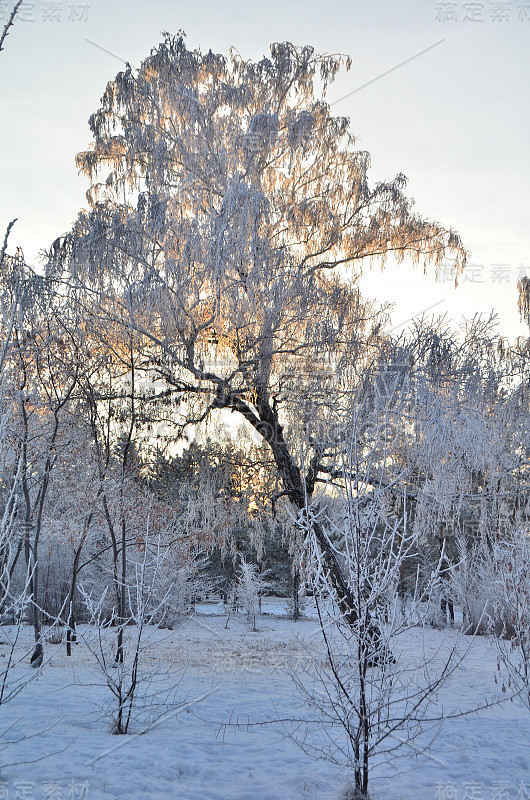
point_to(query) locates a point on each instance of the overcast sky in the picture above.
(454, 118)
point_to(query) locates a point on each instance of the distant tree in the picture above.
(45, 378)
(231, 217)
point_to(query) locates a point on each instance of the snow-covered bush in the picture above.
(251, 586)
(183, 584)
(511, 624)
(473, 585)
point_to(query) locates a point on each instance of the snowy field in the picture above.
(61, 747)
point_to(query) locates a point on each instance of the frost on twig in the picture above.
(5, 30)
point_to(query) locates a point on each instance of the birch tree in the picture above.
(230, 218)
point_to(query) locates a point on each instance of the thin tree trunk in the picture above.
(299, 491)
(71, 621)
(119, 649)
(128, 441)
(29, 553)
(296, 595)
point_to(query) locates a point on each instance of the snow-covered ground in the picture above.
(59, 718)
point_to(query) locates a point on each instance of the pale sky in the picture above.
(455, 118)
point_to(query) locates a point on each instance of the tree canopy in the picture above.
(230, 219)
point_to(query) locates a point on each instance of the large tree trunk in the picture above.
(299, 492)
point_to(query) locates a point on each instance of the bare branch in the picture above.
(8, 24)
